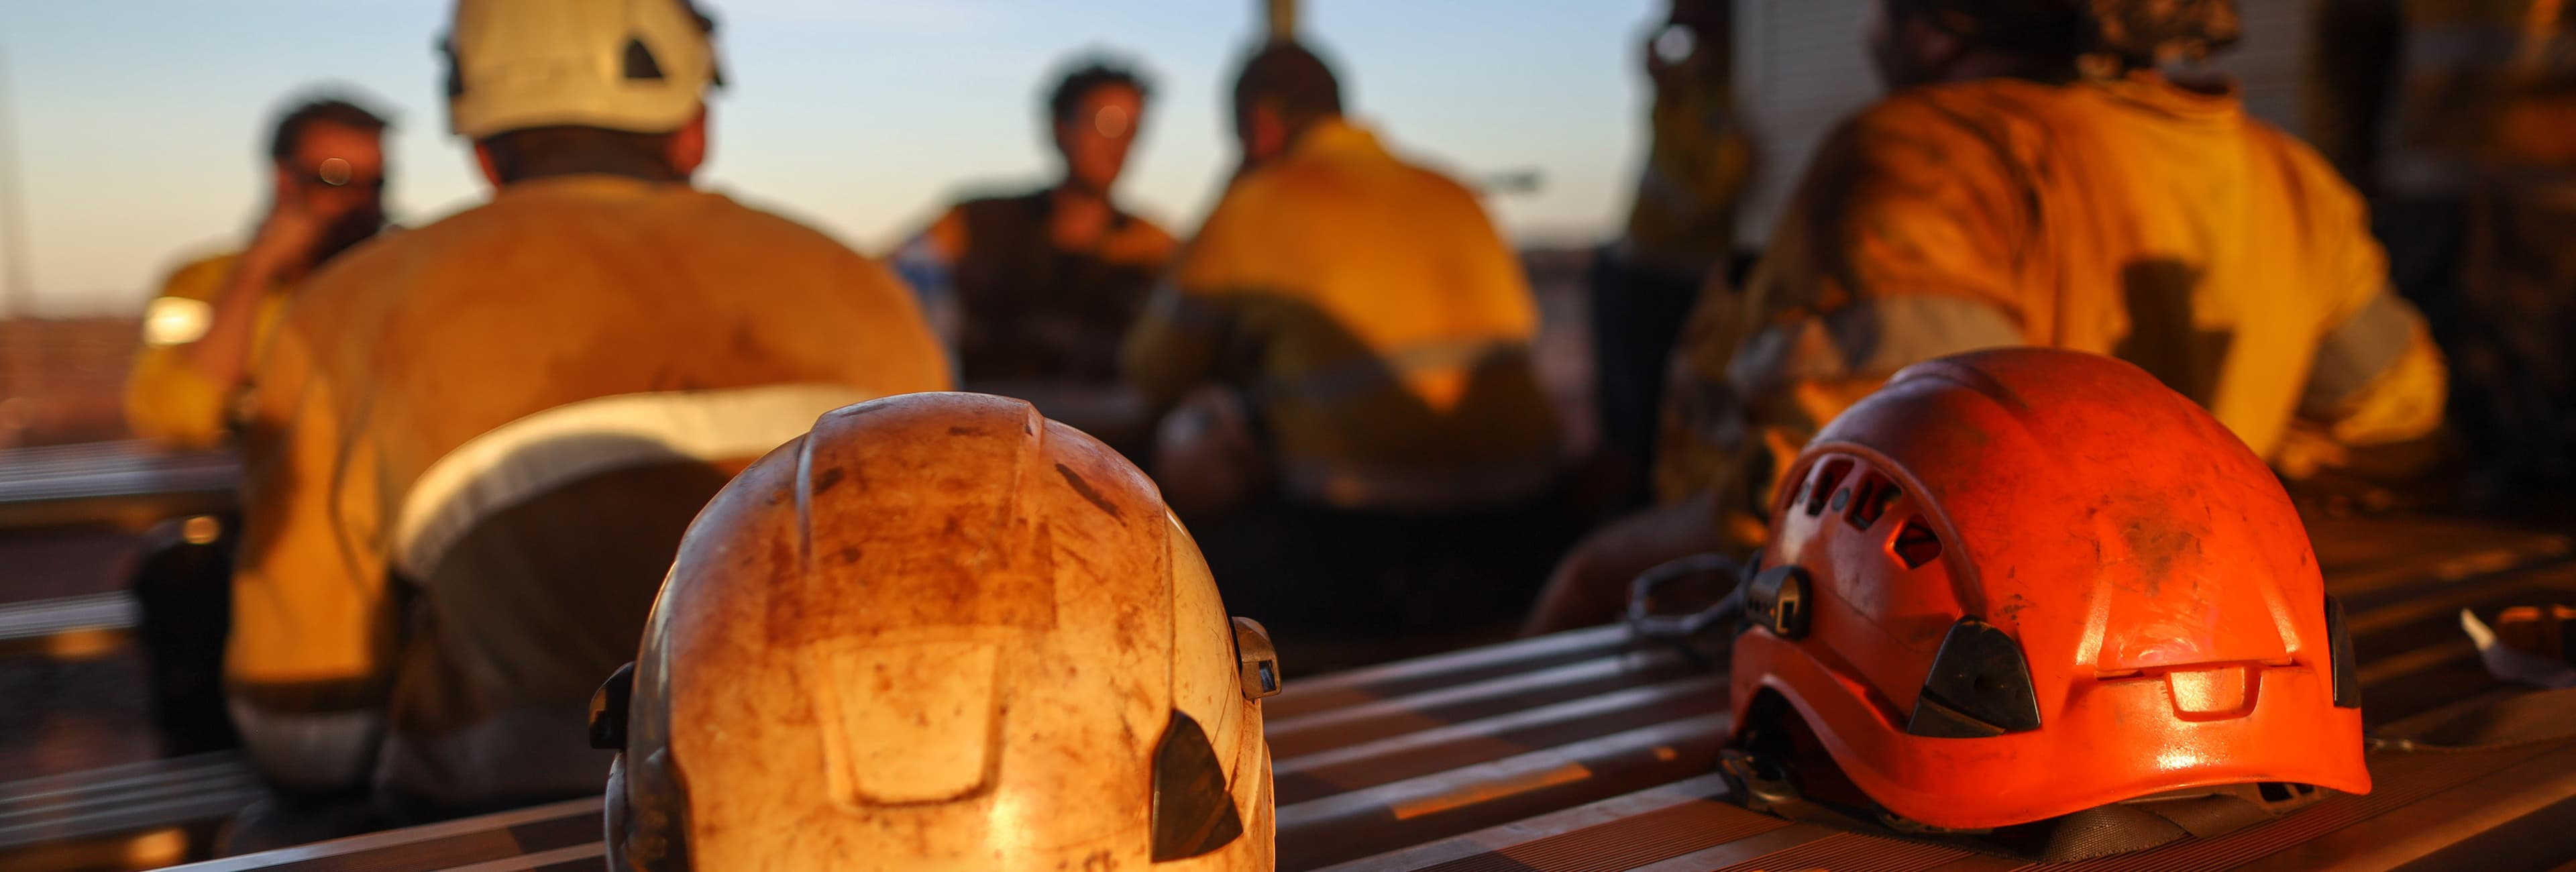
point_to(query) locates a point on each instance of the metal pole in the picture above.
(17, 291)
(1283, 20)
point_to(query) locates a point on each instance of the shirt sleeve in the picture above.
(928, 264)
(1898, 247)
(2376, 377)
(168, 401)
(1177, 340)
(309, 665)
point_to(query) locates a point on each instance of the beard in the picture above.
(345, 232)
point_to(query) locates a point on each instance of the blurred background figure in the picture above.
(476, 445)
(2033, 180)
(326, 184)
(325, 165)
(1346, 348)
(1032, 290)
(1680, 228)
(2459, 118)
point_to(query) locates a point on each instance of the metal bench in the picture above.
(1579, 752)
(69, 628)
(140, 815)
(125, 483)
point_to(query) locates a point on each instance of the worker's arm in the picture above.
(167, 399)
(2376, 385)
(1178, 342)
(280, 252)
(308, 669)
(928, 263)
(1897, 249)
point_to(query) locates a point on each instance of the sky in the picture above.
(141, 123)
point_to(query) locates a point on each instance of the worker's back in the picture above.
(2137, 218)
(514, 412)
(1377, 321)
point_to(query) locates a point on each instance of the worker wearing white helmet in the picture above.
(941, 632)
(490, 431)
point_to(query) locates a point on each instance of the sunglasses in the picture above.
(336, 173)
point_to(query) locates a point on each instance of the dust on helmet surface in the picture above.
(940, 632)
(2021, 583)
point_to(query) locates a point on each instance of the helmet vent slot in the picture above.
(1876, 493)
(1916, 544)
(1192, 811)
(1829, 475)
(639, 62)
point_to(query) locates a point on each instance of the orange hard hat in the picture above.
(2021, 583)
(940, 632)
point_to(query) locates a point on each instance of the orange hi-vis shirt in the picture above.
(1376, 322)
(167, 399)
(475, 444)
(2135, 218)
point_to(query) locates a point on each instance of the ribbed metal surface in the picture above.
(110, 481)
(1626, 843)
(1574, 753)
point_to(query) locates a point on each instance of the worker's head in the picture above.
(1096, 111)
(581, 86)
(1921, 41)
(327, 156)
(940, 632)
(1283, 89)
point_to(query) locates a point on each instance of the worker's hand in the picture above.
(1590, 586)
(286, 239)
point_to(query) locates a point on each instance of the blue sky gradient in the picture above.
(141, 120)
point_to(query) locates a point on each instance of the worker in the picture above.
(2459, 119)
(1353, 339)
(940, 632)
(326, 181)
(1036, 287)
(484, 437)
(2031, 601)
(2034, 181)
(325, 168)
(1680, 230)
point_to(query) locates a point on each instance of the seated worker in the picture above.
(1680, 229)
(326, 180)
(326, 194)
(483, 438)
(2033, 181)
(1370, 332)
(1032, 290)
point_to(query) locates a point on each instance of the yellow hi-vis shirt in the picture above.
(167, 400)
(1377, 324)
(2134, 218)
(474, 447)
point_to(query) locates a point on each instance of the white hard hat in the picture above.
(940, 633)
(633, 65)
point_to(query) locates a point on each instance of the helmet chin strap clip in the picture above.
(1646, 624)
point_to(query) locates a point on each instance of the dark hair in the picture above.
(1291, 79)
(2134, 33)
(1091, 75)
(570, 149)
(325, 110)
(2051, 32)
